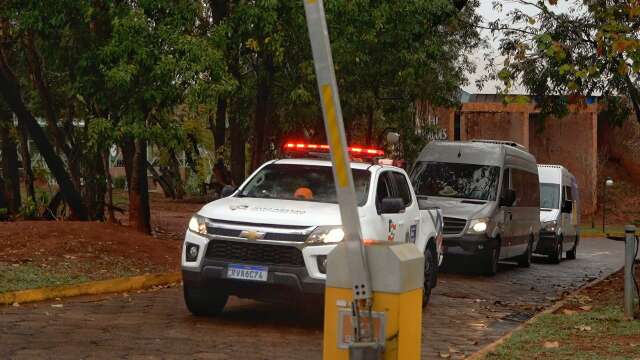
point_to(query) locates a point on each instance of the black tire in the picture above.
(430, 274)
(204, 302)
(571, 254)
(490, 261)
(524, 260)
(556, 255)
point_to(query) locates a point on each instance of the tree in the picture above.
(592, 49)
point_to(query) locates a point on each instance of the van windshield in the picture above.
(454, 180)
(302, 183)
(549, 196)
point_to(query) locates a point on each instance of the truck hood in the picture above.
(459, 208)
(270, 211)
(549, 215)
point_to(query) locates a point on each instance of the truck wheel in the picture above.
(524, 260)
(204, 302)
(430, 268)
(490, 261)
(556, 255)
(571, 254)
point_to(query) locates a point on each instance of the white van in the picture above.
(559, 213)
(489, 195)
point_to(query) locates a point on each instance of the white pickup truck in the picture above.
(270, 239)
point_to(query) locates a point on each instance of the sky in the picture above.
(489, 14)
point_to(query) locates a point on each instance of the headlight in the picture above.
(198, 225)
(550, 226)
(477, 226)
(326, 235)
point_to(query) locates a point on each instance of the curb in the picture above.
(484, 351)
(91, 288)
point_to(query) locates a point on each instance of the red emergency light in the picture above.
(310, 148)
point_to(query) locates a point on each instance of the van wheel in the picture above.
(556, 255)
(490, 261)
(430, 268)
(204, 302)
(571, 254)
(524, 260)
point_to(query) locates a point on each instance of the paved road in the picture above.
(467, 312)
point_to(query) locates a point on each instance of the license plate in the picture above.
(248, 272)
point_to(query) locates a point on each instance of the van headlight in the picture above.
(198, 224)
(478, 226)
(549, 226)
(326, 235)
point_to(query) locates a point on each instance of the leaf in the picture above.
(444, 355)
(583, 327)
(568, 312)
(551, 344)
(586, 308)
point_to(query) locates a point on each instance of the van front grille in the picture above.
(453, 226)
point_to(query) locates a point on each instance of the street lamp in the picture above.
(608, 182)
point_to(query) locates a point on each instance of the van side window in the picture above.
(566, 193)
(403, 188)
(526, 187)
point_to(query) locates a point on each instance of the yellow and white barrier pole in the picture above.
(373, 298)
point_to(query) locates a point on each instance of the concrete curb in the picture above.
(480, 354)
(91, 288)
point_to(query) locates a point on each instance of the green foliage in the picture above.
(119, 182)
(591, 50)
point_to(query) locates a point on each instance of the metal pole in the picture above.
(604, 204)
(629, 281)
(334, 126)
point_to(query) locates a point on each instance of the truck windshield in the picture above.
(303, 183)
(549, 196)
(454, 180)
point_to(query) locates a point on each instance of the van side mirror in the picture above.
(227, 191)
(567, 206)
(508, 198)
(392, 206)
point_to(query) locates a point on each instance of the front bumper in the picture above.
(283, 283)
(468, 245)
(547, 243)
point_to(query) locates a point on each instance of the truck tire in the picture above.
(556, 254)
(490, 261)
(430, 269)
(571, 254)
(204, 302)
(524, 260)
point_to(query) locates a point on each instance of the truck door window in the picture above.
(403, 188)
(384, 188)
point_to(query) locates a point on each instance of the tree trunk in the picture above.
(10, 90)
(111, 216)
(634, 95)
(139, 211)
(26, 164)
(166, 186)
(370, 128)
(176, 175)
(221, 124)
(261, 114)
(237, 151)
(10, 172)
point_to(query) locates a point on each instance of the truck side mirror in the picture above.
(227, 191)
(508, 198)
(567, 206)
(392, 206)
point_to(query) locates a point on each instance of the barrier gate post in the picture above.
(373, 297)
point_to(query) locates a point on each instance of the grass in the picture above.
(14, 277)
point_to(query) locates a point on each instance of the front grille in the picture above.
(268, 236)
(453, 225)
(254, 253)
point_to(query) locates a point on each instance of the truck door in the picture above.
(389, 226)
(407, 224)
(507, 215)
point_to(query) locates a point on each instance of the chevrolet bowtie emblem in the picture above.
(252, 235)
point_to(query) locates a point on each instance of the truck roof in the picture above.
(323, 162)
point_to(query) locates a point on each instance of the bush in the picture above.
(120, 182)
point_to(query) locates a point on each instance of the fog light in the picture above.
(192, 252)
(322, 263)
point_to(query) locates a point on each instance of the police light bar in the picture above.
(310, 148)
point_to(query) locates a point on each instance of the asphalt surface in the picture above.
(467, 312)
